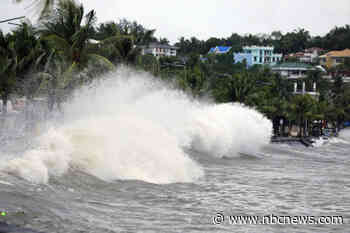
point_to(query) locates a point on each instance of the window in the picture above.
(255, 59)
(260, 59)
(273, 59)
(338, 60)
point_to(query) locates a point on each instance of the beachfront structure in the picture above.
(300, 89)
(219, 50)
(334, 58)
(297, 72)
(293, 70)
(257, 55)
(159, 50)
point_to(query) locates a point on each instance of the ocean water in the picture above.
(131, 154)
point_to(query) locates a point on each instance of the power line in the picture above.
(14, 24)
(7, 20)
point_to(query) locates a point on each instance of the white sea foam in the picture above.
(5, 183)
(320, 142)
(345, 135)
(130, 126)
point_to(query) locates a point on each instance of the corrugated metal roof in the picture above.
(161, 46)
(294, 65)
(221, 49)
(341, 53)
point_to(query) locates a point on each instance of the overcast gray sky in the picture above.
(207, 18)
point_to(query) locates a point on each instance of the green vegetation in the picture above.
(69, 50)
(291, 42)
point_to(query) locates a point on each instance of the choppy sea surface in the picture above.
(282, 180)
(157, 161)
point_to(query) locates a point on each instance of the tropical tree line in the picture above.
(336, 39)
(67, 49)
(218, 77)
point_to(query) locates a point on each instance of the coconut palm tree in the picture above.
(71, 50)
(302, 108)
(121, 40)
(31, 55)
(45, 7)
(66, 31)
(8, 66)
(20, 54)
(70, 37)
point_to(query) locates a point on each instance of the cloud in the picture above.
(219, 18)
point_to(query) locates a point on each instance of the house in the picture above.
(159, 50)
(334, 58)
(298, 73)
(293, 70)
(309, 55)
(257, 55)
(219, 50)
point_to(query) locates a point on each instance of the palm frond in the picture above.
(102, 60)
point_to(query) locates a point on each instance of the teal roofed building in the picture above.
(257, 55)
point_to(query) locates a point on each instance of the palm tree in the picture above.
(45, 7)
(8, 66)
(65, 30)
(30, 54)
(56, 79)
(71, 50)
(121, 40)
(120, 49)
(140, 35)
(20, 54)
(235, 88)
(303, 108)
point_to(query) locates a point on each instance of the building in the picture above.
(219, 50)
(297, 72)
(312, 54)
(334, 58)
(257, 55)
(293, 70)
(309, 55)
(159, 50)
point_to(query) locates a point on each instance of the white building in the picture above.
(293, 70)
(159, 50)
(298, 73)
(308, 55)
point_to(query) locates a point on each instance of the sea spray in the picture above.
(132, 126)
(229, 129)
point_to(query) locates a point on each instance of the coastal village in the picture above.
(294, 67)
(201, 116)
(301, 87)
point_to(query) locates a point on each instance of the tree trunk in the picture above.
(4, 103)
(300, 123)
(51, 102)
